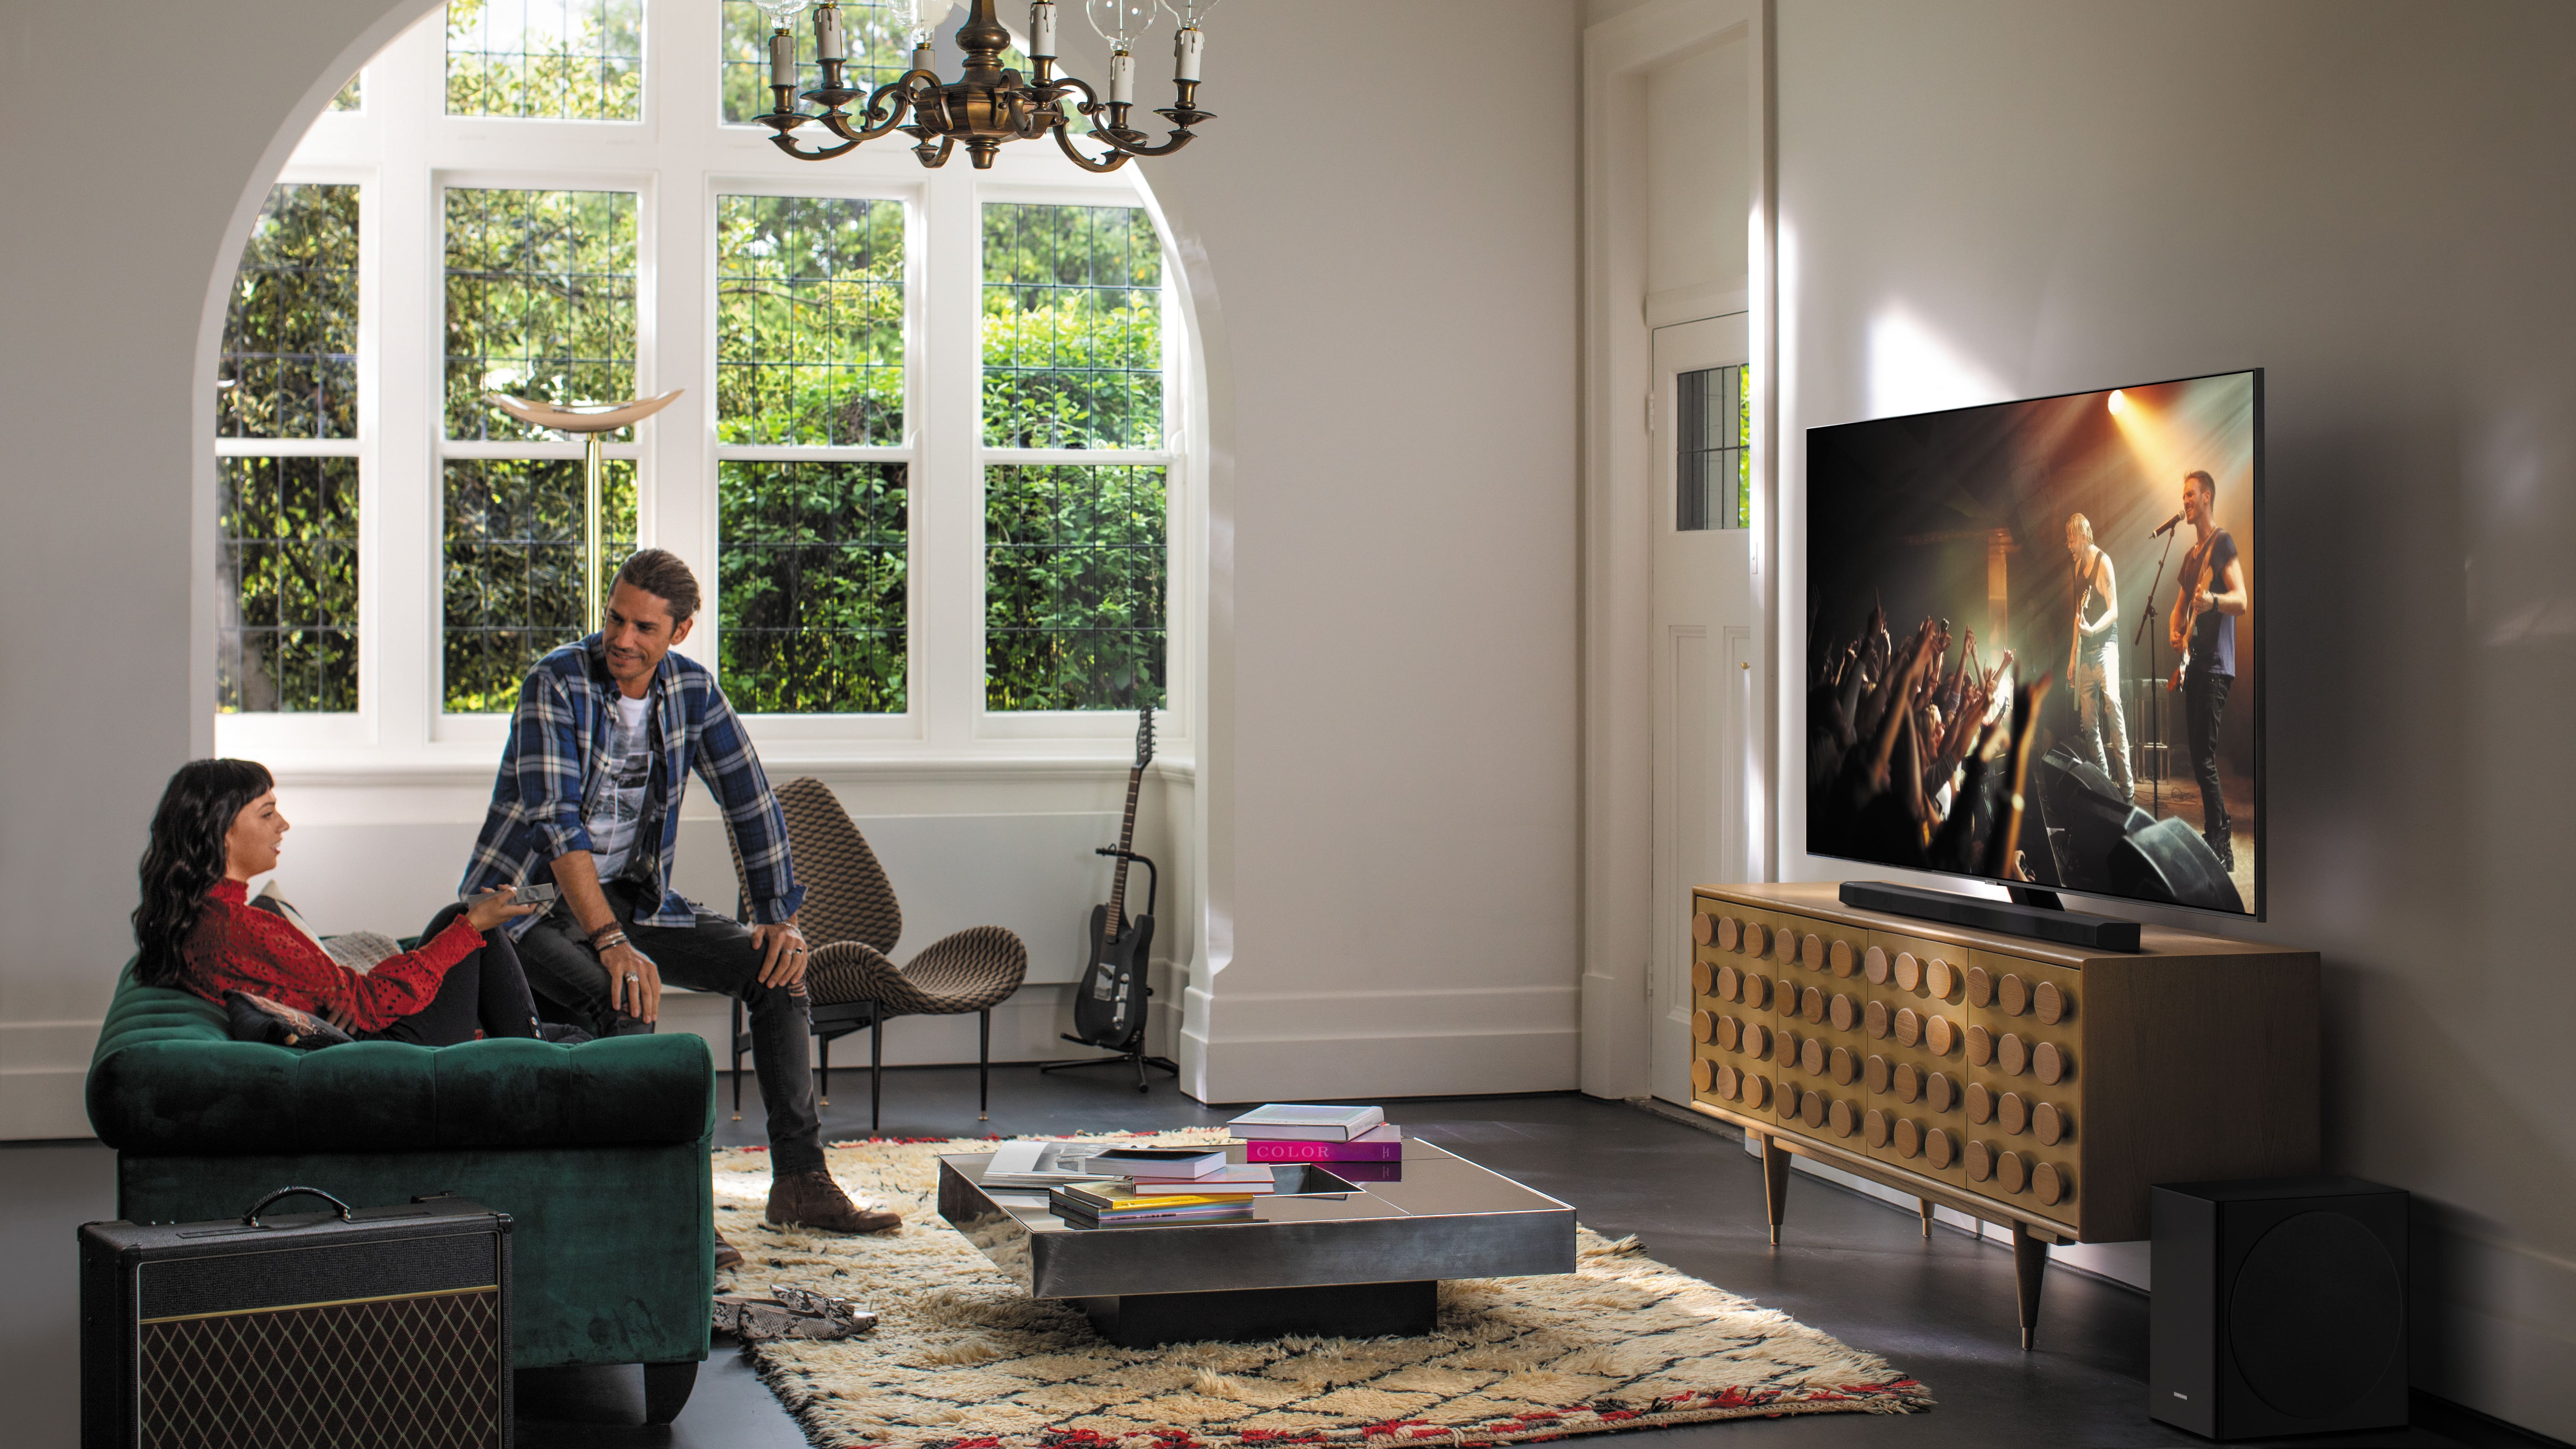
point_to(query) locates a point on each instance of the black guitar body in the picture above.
(1109, 1006)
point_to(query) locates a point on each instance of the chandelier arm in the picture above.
(1064, 142)
(933, 160)
(1180, 136)
(839, 121)
(787, 143)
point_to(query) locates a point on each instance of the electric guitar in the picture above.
(2195, 572)
(1109, 1006)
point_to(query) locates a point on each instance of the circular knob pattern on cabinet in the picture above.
(1811, 1005)
(1811, 953)
(1981, 1103)
(1981, 1046)
(2012, 1054)
(1940, 1035)
(1730, 1083)
(1842, 957)
(2013, 1112)
(1873, 965)
(2012, 994)
(1703, 1026)
(2012, 1171)
(1730, 933)
(1843, 1011)
(1784, 944)
(1729, 983)
(1908, 971)
(1811, 1109)
(1843, 1065)
(1703, 928)
(1940, 1092)
(1907, 1082)
(2049, 1003)
(1757, 938)
(1842, 1119)
(2048, 1123)
(2050, 1183)
(1908, 1136)
(1757, 1091)
(1939, 1147)
(1874, 1128)
(1730, 1033)
(1939, 979)
(2049, 1061)
(1811, 1056)
(1874, 1075)
(1981, 1161)
(1703, 979)
(1757, 991)
(1981, 986)
(1703, 1074)
(1757, 1040)
(1874, 1020)
(1909, 1027)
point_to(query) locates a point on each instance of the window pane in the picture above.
(1073, 316)
(513, 546)
(1073, 587)
(290, 366)
(569, 60)
(1712, 457)
(287, 555)
(540, 302)
(812, 571)
(353, 96)
(878, 54)
(809, 320)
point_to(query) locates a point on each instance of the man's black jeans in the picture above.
(2204, 700)
(716, 955)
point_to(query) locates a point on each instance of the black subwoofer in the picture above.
(2279, 1307)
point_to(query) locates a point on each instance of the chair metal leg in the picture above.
(736, 1040)
(876, 1072)
(984, 1065)
(823, 1075)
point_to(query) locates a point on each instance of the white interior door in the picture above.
(1707, 665)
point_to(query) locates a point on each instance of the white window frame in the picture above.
(403, 151)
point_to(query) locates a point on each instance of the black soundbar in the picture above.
(2072, 928)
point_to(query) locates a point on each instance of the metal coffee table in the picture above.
(1327, 1255)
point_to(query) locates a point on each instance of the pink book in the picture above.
(1378, 1144)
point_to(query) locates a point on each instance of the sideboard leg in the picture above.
(2030, 1260)
(1775, 1183)
(1923, 1205)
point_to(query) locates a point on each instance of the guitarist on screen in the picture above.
(2211, 594)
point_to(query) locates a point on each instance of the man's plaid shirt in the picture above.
(557, 762)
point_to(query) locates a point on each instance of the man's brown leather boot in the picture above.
(814, 1200)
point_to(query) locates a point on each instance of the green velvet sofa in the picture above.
(597, 1152)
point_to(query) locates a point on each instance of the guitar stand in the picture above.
(1133, 1052)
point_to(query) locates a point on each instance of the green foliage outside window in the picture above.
(568, 60)
(1073, 327)
(1075, 578)
(809, 320)
(289, 367)
(353, 96)
(512, 586)
(812, 581)
(540, 303)
(287, 555)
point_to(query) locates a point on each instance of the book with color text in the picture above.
(1370, 1148)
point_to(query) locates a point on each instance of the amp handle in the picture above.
(251, 1219)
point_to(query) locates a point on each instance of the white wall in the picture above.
(2372, 201)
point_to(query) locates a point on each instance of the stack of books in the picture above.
(1357, 1144)
(1162, 1185)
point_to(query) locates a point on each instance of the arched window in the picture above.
(926, 464)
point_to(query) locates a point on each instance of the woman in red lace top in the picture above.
(217, 828)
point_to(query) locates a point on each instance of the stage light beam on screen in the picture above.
(2119, 402)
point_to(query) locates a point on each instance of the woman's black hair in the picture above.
(186, 858)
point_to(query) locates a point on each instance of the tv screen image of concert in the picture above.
(2032, 646)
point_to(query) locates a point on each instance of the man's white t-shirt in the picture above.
(618, 810)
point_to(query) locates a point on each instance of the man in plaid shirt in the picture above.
(601, 747)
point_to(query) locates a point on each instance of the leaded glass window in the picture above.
(1073, 327)
(1075, 582)
(287, 559)
(809, 320)
(512, 547)
(540, 302)
(814, 579)
(353, 96)
(289, 367)
(568, 60)
(1713, 451)
(879, 53)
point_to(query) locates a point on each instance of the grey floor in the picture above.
(1941, 1310)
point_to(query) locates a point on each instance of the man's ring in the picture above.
(631, 976)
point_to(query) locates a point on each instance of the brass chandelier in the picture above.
(987, 104)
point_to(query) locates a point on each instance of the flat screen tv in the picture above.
(2105, 545)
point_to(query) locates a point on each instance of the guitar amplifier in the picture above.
(377, 1326)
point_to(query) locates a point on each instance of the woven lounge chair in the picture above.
(852, 921)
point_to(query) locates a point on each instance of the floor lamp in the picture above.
(594, 422)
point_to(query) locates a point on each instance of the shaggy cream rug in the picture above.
(961, 1360)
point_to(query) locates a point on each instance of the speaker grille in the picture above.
(2315, 1316)
(418, 1372)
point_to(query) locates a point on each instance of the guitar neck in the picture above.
(1126, 842)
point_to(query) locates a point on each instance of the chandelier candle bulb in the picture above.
(828, 43)
(1122, 78)
(923, 57)
(1187, 47)
(782, 59)
(1042, 30)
